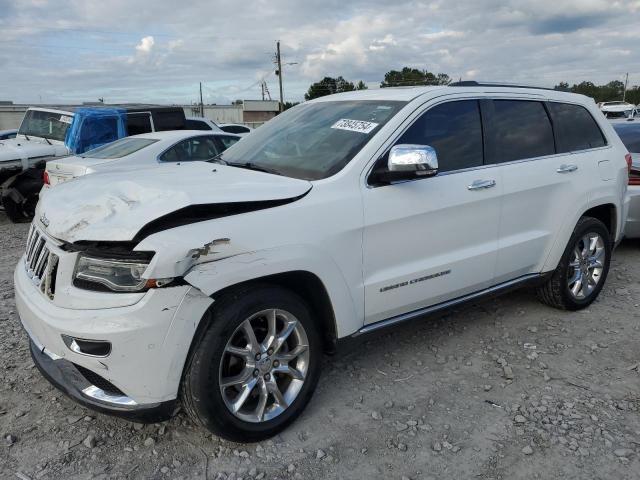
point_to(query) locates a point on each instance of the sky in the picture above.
(57, 51)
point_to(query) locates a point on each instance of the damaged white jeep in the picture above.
(217, 285)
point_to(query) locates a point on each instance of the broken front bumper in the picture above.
(149, 342)
(66, 377)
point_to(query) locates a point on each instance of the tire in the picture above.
(212, 365)
(560, 290)
(14, 211)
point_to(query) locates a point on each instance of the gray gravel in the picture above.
(503, 389)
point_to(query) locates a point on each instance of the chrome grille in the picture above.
(40, 263)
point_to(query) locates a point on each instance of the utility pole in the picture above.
(626, 83)
(279, 73)
(201, 104)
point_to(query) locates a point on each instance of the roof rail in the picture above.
(473, 83)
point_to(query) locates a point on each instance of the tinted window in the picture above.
(138, 123)
(630, 135)
(119, 148)
(170, 119)
(575, 128)
(197, 148)
(196, 125)
(235, 129)
(521, 130)
(454, 130)
(227, 141)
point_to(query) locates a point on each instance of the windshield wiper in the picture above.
(253, 166)
(217, 159)
(47, 140)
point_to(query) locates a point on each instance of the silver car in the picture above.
(629, 132)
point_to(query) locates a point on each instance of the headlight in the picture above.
(118, 275)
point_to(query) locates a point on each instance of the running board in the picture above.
(448, 304)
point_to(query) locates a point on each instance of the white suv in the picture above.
(219, 284)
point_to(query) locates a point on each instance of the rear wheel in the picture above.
(583, 268)
(15, 211)
(256, 366)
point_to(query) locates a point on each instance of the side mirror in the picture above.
(409, 162)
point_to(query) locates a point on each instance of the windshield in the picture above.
(313, 140)
(40, 123)
(630, 135)
(119, 148)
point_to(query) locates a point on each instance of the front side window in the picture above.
(521, 130)
(197, 148)
(40, 123)
(313, 140)
(575, 128)
(454, 129)
(119, 148)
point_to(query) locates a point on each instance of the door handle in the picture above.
(481, 184)
(564, 168)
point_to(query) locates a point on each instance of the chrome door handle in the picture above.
(564, 168)
(481, 184)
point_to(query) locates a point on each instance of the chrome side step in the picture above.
(448, 304)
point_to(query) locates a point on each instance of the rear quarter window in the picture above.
(575, 128)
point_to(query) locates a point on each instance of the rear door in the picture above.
(544, 177)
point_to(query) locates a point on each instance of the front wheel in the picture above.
(583, 268)
(256, 365)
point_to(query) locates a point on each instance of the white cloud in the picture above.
(145, 45)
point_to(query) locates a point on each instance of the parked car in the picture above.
(201, 123)
(629, 132)
(49, 133)
(219, 285)
(235, 128)
(617, 109)
(7, 134)
(140, 150)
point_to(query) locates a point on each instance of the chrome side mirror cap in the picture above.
(413, 161)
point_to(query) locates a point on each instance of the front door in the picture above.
(430, 240)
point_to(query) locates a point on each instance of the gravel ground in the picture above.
(503, 389)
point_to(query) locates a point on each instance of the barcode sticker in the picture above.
(65, 119)
(354, 125)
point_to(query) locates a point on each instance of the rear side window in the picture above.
(227, 141)
(190, 149)
(575, 128)
(196, 125)
(138, 123)
(521, 129)
(629, 133)
(454, 129)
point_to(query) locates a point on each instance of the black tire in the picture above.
(14, 211)
(200, 388)
(555, 291)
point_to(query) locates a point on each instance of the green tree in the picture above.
(361, 85)
(328, 86)
(613, 90)
(413, 76)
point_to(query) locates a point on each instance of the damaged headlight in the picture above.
(118, 275)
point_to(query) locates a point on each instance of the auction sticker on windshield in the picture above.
(65, 119)
(354, 125)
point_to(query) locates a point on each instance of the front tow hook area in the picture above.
(79, 384)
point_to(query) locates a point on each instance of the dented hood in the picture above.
(116, 206)
(20, 148)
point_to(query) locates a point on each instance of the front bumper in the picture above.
(67, 378)
(149, 340)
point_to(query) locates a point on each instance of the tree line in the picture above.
(407, 76)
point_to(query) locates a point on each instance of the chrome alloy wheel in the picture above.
(264, 365)
(586, 265)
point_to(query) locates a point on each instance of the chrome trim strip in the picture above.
(441, 306)
(98, 394)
